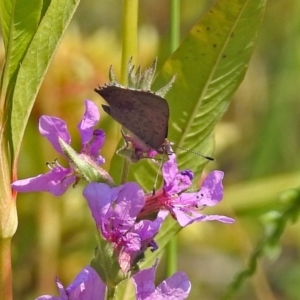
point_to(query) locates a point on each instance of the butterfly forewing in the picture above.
(143, 113)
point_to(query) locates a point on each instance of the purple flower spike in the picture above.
(114, 211)
(176, 287)
(86, 286)
(59, 178)
(184, 206)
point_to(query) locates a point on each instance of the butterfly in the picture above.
(143, 113)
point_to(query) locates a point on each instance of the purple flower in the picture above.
(86, 286)
(176, 287)
(55, 130)
(114, 211)
(182, 205)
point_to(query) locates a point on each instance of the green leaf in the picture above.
(19, 20)
(35, 64)
(210, 64)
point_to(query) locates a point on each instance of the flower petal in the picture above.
(129, 203)
(148, 229)
(90, 118)
(144, 283)
(52, 128)
(222, 219)
(176, 287)
(118, 204)
(132, 242)
(86, 286)
(211, 192)
(170, 170)
(62, 292)
(185, 218)
(99, 197)
(55, 182)
(175, 181)
(97, 144)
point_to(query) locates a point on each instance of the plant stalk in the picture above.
(129, 49)
(5, 269)
(171, 248)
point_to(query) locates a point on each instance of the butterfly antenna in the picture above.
(195, 152)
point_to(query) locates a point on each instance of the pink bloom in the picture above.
(59, 178)
(176, 287)
(86, 286)
(115, 212)
(184, 206)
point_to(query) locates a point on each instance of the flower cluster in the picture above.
(127, 219)
(121, 213)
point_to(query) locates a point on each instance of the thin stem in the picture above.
(111, 293)
(171, 248)
(125, 170)
(129, 49)
(175, 24)
(5, 267)
(129, 35)
(171, 256)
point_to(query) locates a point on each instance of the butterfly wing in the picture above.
(145, 114)
(156, 112)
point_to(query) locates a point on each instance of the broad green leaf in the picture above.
(35, 64)
(210, 64)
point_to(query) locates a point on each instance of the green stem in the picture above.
(171, 248)
(111, 293)
(5, 267)
(171, 256)
(129, 49)
(8, 217)
(175, 24)
(125, 170)
(129, 35)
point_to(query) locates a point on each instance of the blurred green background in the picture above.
(257, 145)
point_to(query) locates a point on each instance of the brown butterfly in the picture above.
(143, 113)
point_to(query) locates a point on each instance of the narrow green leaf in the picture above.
(19, 20)
(36, 63)
(5, 17)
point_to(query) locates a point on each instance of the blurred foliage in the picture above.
(256, 145)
